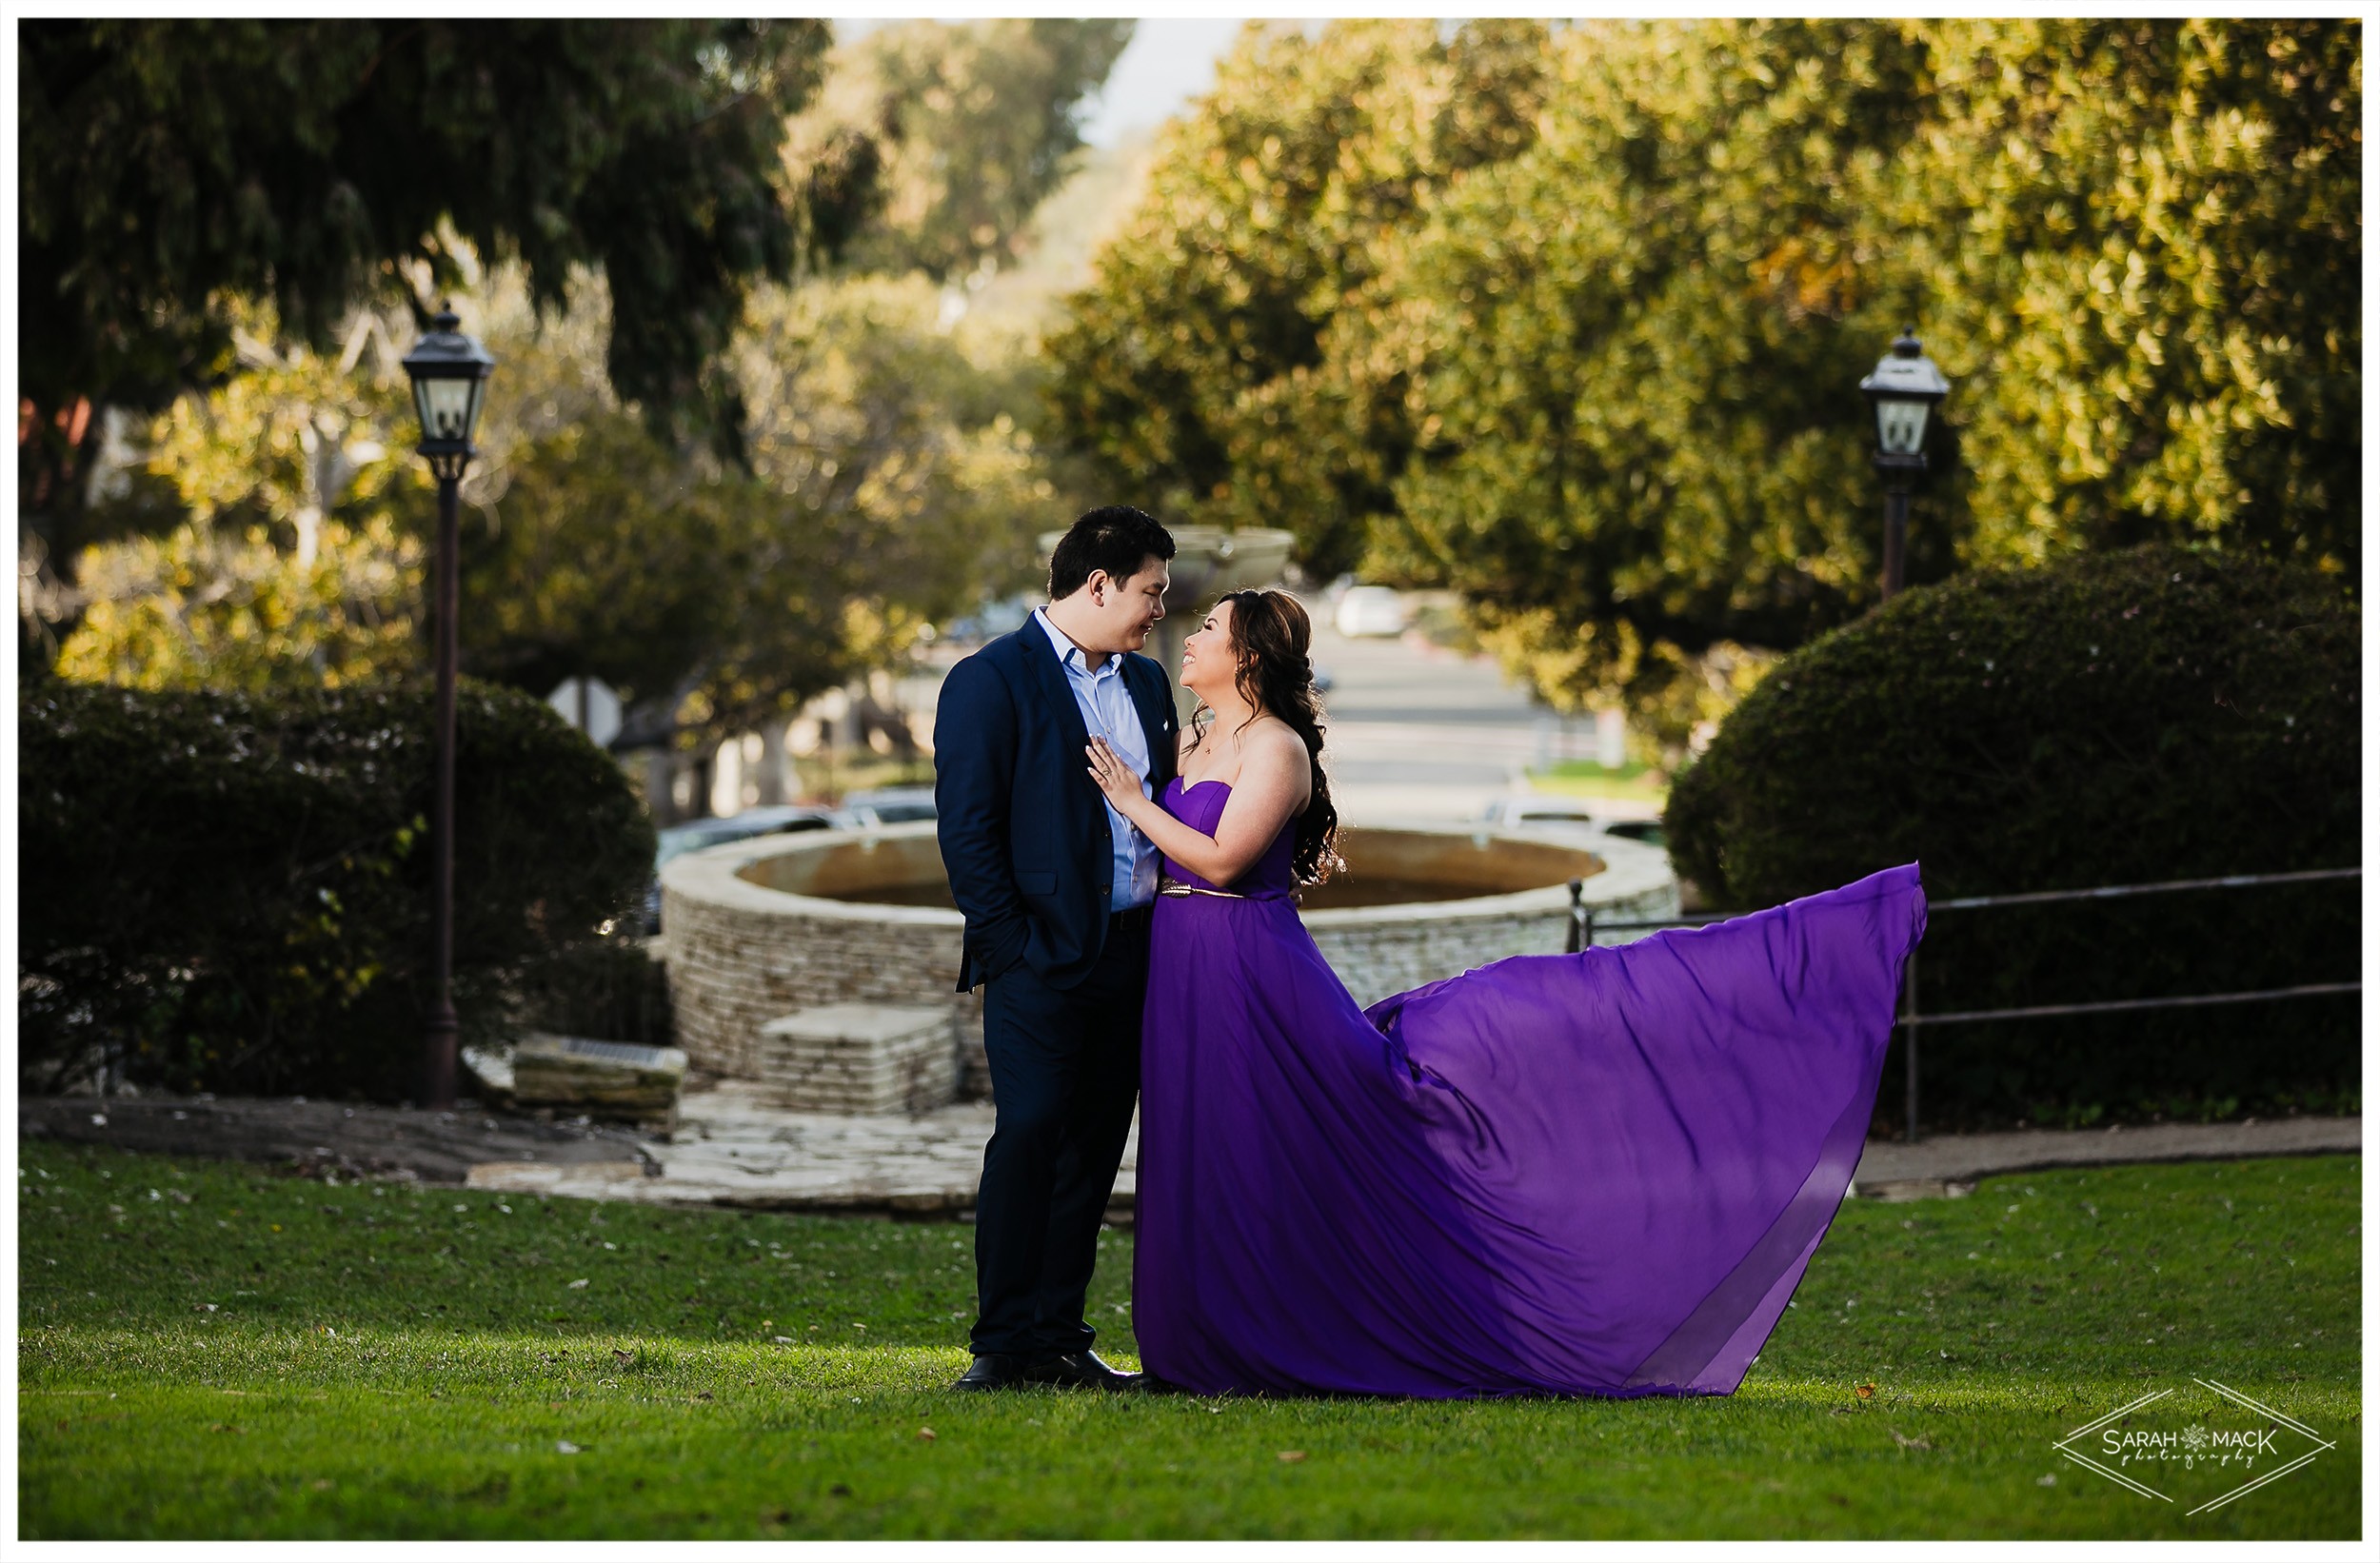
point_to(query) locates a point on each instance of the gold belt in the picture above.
(1174, 887)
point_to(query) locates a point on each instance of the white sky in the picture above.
(1169, 61)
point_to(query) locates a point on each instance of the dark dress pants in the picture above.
(1065, 1075)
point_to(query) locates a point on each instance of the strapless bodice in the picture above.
(1199, 805)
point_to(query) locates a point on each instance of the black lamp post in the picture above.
(450, 374)
(1904, 390)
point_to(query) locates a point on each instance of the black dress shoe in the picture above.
(1078, 1370)
(996, 1371)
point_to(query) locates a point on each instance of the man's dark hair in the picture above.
(1114, 538)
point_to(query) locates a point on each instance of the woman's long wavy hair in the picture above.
(1271, 636)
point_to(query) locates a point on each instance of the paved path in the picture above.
(1418, 732)
(1950, 1165)
(732, 1149)
(327, 1136)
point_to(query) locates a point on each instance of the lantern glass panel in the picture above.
(1900, 425)
(446, 406)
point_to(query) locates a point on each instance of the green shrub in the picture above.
(231, 892)
(2122, 718)
(608, 988)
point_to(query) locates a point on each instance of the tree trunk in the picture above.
(772, 774)
(56, 449)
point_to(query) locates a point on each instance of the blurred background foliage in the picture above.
(965, 129)
(1221, 361)
(719, 527)
(174, 174)
(1565, 317)
(1570, 320)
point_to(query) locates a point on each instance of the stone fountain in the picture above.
(759, 929)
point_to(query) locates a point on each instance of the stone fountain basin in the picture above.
(758, 928)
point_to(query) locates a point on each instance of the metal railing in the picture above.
(1583, 928)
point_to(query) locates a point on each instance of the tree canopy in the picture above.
(949, 135)
(888, 485)
(1594, 363)
(887, 473)
(174, 173)
(169, 167)
(1220, 349)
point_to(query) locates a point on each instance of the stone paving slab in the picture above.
(740, 1152)
(734, 1149)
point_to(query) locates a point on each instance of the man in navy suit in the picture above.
(1057, 887)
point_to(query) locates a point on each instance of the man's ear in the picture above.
(1098, 582)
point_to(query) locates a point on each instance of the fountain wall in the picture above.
(760, 928)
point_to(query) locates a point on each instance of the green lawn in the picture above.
(212, 1350)
(1585, 779)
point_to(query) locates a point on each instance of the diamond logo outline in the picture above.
(2322, 1445)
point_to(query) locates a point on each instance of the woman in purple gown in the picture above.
(1593, 1173)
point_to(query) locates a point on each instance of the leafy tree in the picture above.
(1219, 360)
(896, 442)
(948, 136)
(290, 559)
(887, 482)
(1632, 352)
(2133, 246)
(297, 436)
(206, 607)
(2140, 243)
(170, 168)
(889, 486)
(607, 554)
(1588, 355)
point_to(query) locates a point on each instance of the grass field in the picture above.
(1585, 779)
(212, 1350)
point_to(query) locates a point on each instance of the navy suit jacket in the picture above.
(1023, 830)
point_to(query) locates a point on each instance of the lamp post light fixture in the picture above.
(450, 374)
(1903, 390)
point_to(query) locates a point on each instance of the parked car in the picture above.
(1570, 816)
(992, 617)
(890, 805)
(769, 819)
(1370, 610)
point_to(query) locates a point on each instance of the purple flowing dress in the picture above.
(1593, 1173)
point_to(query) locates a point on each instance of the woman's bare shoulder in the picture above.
(1272, 747)
(1279, 738)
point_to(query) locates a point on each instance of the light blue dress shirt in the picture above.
(1109, 713)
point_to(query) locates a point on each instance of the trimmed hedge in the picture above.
(232, 893)
(2154, 714)
(610, 988)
